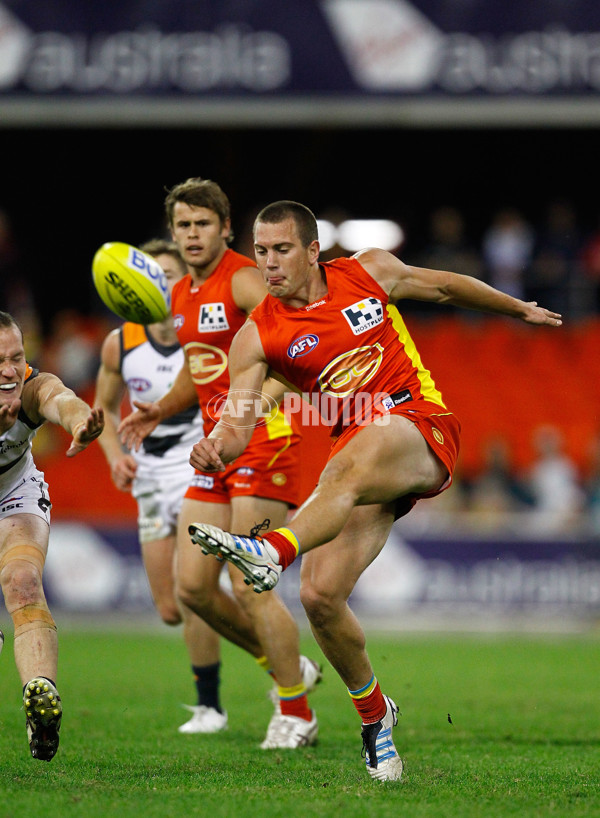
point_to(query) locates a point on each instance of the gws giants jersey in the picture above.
(346, 350)
(148, 370)
(206, 320)
(15, 445)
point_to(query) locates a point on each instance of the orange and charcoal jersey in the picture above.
(352, 356)
(206, 320)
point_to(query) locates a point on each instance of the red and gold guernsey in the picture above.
(206, 320)
(350, 351)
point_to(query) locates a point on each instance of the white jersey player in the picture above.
(142, 362)
(28, 398)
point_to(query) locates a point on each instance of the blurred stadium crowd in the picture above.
(549, 465)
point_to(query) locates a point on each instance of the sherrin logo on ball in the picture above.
(131, 283)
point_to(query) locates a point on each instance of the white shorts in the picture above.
(159, 502)
(28, 496)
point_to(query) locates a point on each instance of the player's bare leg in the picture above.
(23, 548)
(158, 557)
(327, 578)
(273, 623)
(378, 465)
(198, 580)
(201, 641)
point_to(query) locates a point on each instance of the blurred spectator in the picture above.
(73, 349)
(16, 293)
(507, 249)
(590, 263)
(495, 490)
(554, 480)
(555, 274)
(9, 259)
(447, 246)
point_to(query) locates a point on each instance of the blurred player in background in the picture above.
(394, 440)
(143, 362)
(209, 305)
(27, 399)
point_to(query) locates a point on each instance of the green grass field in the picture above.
(523, 740)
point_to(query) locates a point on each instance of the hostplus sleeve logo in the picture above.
(363, 315)
(212, 317)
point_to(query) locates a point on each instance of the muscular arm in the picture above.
(110, 390)
(47, 398)
(401, 280)
(248, 290)
(231, 435)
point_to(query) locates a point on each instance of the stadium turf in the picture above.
(490, 726)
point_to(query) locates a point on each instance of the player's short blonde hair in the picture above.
(306, 223)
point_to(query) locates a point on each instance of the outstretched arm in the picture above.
(247, 371)
(401, 281)
(142, 422)
(110, 390)
(51, 400)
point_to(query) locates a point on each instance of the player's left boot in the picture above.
(290, 732)
(1, 641)
(382, 759)
(254, 556)
(43, 711)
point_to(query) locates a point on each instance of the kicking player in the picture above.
(28, 398)
(394, 442)
(143, 362)
(209, 305)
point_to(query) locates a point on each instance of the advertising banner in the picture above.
(413, 581)
(301, 53)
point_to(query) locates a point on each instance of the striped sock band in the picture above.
(290, 536)
(365, 691)
(369, 701)
(289, 693)
(285, 542)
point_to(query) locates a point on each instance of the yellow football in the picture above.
(131, 283)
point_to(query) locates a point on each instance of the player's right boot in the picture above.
(382, 759)
(43, 711)
(254, 556)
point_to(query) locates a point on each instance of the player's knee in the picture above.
(21, 583)
(342, 473)
(197, 597)
(244, 593)
(320, 604)
(169, 613)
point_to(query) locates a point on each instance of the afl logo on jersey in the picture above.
(302, 346)
(138, 384)
(178, 321)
